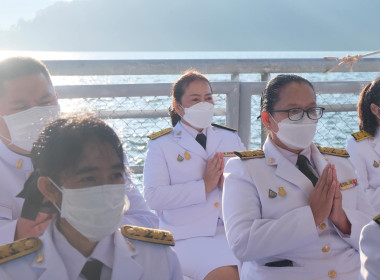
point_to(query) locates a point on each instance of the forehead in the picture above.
(197, 87)
(98, 154)
(296, 94)
(26, 88)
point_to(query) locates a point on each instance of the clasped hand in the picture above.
(213, 175)
(326, 200)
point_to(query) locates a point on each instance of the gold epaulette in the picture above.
(377, 219)
(224, 127)
(361, 135)
(250, 154)
(333, 151)
(160, 133)
(19, 248)
(148, 234)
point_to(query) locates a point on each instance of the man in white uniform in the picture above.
(27, 102)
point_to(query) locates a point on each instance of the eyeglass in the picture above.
(296, 114)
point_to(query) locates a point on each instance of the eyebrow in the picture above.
(46, 96)
(198, 94)
(298, 106)
(88, 169)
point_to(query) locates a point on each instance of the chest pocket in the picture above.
(280, 197)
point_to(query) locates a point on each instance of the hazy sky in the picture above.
(13, 10)
(189, 25)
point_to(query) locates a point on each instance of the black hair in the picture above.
(179, 88)
(17, 67)
(370, 94)
(62, 142)
(270, 95)
(58, 150)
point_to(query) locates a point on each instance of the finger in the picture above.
(331, 192)
(334, 173)
(43, 217)
(322, 180)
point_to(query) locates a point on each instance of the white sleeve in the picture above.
(370, 252)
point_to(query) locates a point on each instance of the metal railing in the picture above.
(241, 97)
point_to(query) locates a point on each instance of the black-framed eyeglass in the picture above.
(295, 114)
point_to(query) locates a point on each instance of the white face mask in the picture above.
(199, 115)
(25, 127)
(296, 134)
(94, 211)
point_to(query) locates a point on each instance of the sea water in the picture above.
(333, 129)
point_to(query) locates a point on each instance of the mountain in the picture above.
(199, 25)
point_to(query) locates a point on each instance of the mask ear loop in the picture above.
(275, 122)
(58, 188)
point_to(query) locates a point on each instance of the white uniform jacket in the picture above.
(140, 261)
(14, 171)
(175, 187)
(261, 229)
(370, 252)
(365, 157)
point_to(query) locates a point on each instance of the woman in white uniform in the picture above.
(364, 146)
(79, 161)
(370, 250)
(293, 210)
(183, 180)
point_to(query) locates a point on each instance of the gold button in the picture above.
(325, 249)
(332, 274)
(216, 204)
(371, 139)
(271, 160)
(19, 164)
(322, 226)
(40, 258)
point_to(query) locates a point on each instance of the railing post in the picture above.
(264, 78)
(232, 103)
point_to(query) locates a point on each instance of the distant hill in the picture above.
(199, 25)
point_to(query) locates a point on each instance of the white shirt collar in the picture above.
(74, 260)
(292, 157)
(192, 131)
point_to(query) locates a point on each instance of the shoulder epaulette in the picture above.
(250, 154)
(333, 151)
(361, 135)
(19, 248)
(148, 234)
(224, 127)
(377, 219)
(160, 133)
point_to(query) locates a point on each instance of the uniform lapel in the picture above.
(286, 170)
(49, 260)
(185, 140)
(124, 266)
(376, 143)
(213, 140)
(319, 160)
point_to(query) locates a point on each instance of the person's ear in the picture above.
(178, 109)
(374, 109)
(265, 117)
(46, 187)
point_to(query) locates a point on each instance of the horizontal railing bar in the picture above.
(339, 107)
(137, 169)
(164, 89)
(256, 88)
(207, 66)
(142, 114)
(130, 90)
